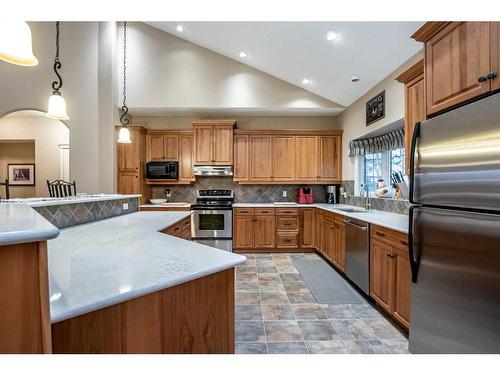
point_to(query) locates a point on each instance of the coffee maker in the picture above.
(331, 194)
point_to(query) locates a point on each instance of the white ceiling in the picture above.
(294, 50)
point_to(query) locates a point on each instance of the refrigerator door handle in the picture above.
(416, 136)
(414, 262)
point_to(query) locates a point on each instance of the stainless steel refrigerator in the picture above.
(455, 231)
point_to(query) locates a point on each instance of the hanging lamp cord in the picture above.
(123, 118)
(56, 85)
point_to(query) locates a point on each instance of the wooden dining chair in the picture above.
(6, 184)
(61, 188)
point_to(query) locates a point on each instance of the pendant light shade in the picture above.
(57, 104)
(57, 107)
(124, 135)
(15, 43)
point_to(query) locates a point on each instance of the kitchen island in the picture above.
(119, 285)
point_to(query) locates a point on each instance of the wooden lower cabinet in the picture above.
(182, 229)
(264, 232)
(390, 275)
(243, 232)
(196, 317)
(338, 257)
(307, 220)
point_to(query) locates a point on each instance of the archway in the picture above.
(33, 149)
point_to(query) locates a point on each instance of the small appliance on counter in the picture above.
(331, 194)
(304, 195)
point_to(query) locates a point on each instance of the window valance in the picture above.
(386, 142)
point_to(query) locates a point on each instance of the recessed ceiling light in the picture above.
(354, 79)
(179, 28)
(332, 35)
(306, 81)
(243, 54)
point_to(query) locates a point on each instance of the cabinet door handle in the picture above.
(288, 240)
(380, 234)
(491, 75)
(404, 242)
(287, 224)
(391, 255)
(482, 79)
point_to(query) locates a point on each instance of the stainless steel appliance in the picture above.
(357, 253)
(331, 194)
(455, 231)
(212, 170)
(212, 220)
(162, 170)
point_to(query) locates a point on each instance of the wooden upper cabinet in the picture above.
(186, 158)
(457, 62)
(283, 159)
(223, 145)
(495, 55)
(307, 158)
(329, 158)
(413, 79)
(261, 164)
(241, 158)
(129, 183)
(129, 154)
(203, 145)
(213, 140)
(162, 147)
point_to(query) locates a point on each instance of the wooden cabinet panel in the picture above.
(186, 158)
(128, 183)
(382, 274)
(261, 166)
(241, 158)
(171, 147)
(264, 211)
(288, 223)
(265, 230)
(203, 145)
(243, 232)
(128, 154)
(402, 288)
(329, 158)
(455, 58)
(307, 227)
(284, 154)
(223, 145)
(495, 55)
(414, 112)
(156, 148)
(307, 158)
(244, 211)
(287, 211)
(339, 254)
(287, 240)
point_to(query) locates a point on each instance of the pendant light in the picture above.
(57, 105)
(15, 43)
(124, 135)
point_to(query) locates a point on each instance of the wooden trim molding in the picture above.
(214, 122)
(428, 30)
(411, 73)
(288, 132)
(171, 131)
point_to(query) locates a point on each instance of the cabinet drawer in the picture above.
(390, 237)
(243, 211)
(287, 240)
(174, 230)
(287, 212)
(186, 224)
(264, 211)
(288, 223)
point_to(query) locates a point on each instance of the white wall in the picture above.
(83, 82)
(353, 119)
(47, 135)
(165, 71)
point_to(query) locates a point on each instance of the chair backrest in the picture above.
(61, 188)
(6, 184)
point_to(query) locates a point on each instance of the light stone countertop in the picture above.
(95, 265)
(21, 224)
(47, 201)
(166, 205)
(389, 220)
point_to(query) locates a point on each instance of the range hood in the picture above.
(213, 171)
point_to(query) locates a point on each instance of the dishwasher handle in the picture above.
(349, 222)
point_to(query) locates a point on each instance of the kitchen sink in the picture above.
(352, 209)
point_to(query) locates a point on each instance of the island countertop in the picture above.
(99, 264)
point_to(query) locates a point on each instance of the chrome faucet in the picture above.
(367, 199)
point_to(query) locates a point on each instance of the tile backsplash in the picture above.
(398, 206)
(242, 193)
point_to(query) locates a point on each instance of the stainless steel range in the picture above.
(212, 221)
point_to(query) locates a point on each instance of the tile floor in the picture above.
(277, 314)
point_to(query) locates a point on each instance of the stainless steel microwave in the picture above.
(162, 170)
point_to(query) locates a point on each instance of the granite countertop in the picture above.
(169, 204)
(47, 201)
(95, 265)
(21, 224)
(389, 220)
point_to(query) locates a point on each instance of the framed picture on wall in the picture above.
(375, 108)
(21, 174)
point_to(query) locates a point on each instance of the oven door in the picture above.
(212, 223)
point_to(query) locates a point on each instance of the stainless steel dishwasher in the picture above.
(357, 253)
